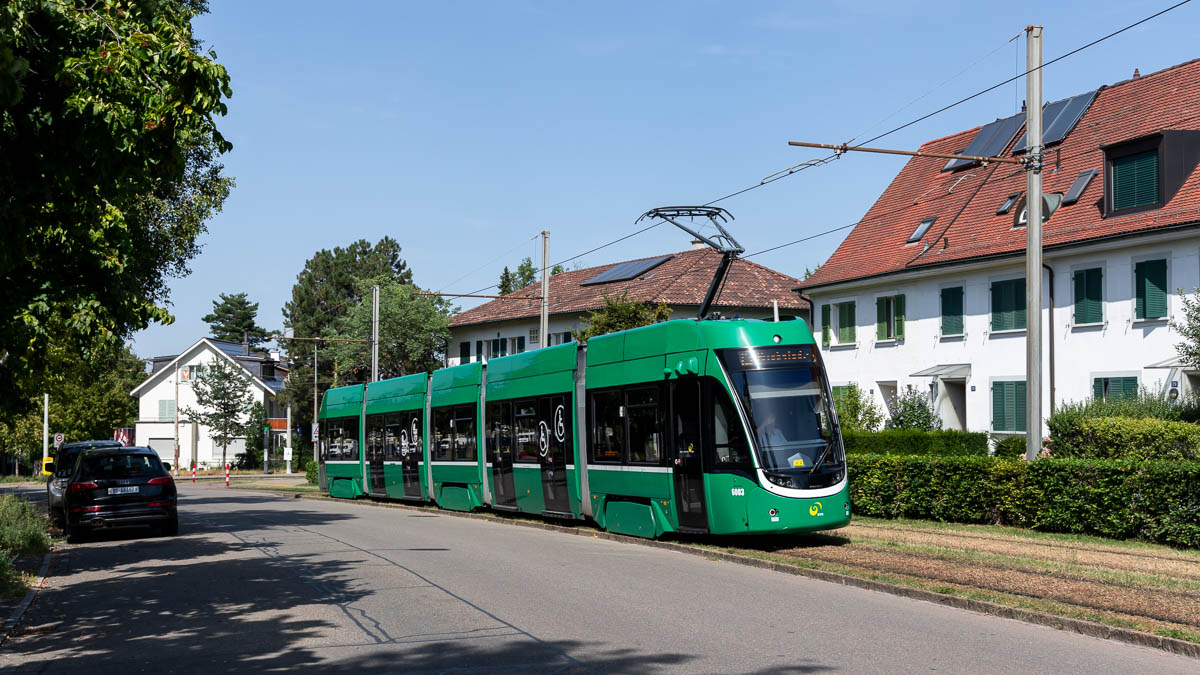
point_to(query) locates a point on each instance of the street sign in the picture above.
(58, 440)
(287, 454)
(316, 430)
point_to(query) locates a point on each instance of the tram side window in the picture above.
(645, 437)
(557, 416)
(341, 439)
(443, 434)
(500, 431)
(391, 437)
(608, 427)
(729, 441)
(375, 442)
(464, 433)
(525, 413)
(411, 424)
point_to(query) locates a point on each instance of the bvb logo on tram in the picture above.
(815, 510)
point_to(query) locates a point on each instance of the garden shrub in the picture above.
(1158, 501)
(22, 532)
(856, 411)
(914, 442)
(913, 410)
(1126, 438)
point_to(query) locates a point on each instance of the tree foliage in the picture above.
(856, 411)
(254, 437)
(413, 331)
(621, 313)
(223, 394)
(325, 291)
(1189, 329)
(913, 410)
(108, 170)
(526, 274)
(88, 400)
(234, 316)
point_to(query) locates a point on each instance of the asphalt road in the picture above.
(261, 583)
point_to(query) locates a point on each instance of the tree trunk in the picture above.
(223, 464)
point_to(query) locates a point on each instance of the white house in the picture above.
(510, 325)
(928, 290)
(169, 388)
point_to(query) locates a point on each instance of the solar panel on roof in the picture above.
(989, 142)
(626, 271)
(1059, 118)
(1080, 184)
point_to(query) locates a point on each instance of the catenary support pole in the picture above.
(289, 437)
(175, 466)
(1033, 243)
(45, 427)
(544, 323)
(375, 334)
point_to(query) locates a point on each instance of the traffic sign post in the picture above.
(58, 439)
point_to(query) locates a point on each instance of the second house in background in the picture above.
(928, 290)
(510, 325)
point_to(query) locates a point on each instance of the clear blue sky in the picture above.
(462, 129)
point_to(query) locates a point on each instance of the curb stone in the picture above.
(1080, 626)
(12, 620)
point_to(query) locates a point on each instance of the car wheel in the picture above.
(171, 528)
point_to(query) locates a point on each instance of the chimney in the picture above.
(697, 245)
(245, 343)
(1136, 75)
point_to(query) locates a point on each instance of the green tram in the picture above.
(692, 426)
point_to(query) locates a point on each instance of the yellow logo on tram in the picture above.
(815, 509)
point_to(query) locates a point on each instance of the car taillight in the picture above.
(162, 480)
(83, 487)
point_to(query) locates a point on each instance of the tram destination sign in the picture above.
(765, 357)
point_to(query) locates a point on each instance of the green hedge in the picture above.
(311, 472)
(1157, 501)
(915, 442)
(1124, 438)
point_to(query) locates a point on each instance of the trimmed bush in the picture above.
(1157, 501)
(1144, 404)
(1125, 438)
(310, 472)
(1011, 447)
(915, 442)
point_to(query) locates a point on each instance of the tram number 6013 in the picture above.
(738, 492)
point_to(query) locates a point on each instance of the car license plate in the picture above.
(132, 490)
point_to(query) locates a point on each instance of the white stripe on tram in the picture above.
(634, 469)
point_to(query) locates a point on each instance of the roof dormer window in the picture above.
(921, 230)
(1008, 204)
(1145, 173)
(1050, 204)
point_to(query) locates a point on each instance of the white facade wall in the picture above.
(1121, 346)
(195, 441)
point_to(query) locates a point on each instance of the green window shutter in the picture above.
(1018, 295)
(880, 318)
(853, 322)
(1129, 387)
(825, 313)
(998, 312)
(899, 307)
(952, 311)
(1019, 410)
(1098, 389)
(1139, 290)
(1135, 180)
(1155, 284)
(1089, 301)
(1080, 279)
(998, 411)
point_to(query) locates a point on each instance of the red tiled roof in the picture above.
(965, 201)
(682, 280)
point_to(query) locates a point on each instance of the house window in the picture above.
(1114, 388)
(889, 317)
(922, 228)
(166, 410)
(1008, 406)
(533, 336)
(1150, 289)
(1089, 296)
(1008, 203)
(952, 311)
(464, 352)
(841, 315)
(1133, 180)
(1008, 305)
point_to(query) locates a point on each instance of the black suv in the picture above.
(112, 487)
(64, 464)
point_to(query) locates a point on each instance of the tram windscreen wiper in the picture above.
(821, 459)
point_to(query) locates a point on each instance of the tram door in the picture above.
(554, 438)
(689, 470)
(375, 451)
(408, 435)
(500, 441)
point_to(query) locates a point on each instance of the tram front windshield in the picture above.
(782, 390)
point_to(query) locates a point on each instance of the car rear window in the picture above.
(120, 466)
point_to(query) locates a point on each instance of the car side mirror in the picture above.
(167, 465)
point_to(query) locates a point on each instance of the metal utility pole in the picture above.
(45, 427)
(1033, 243)
(175, 466)
(375, 334)
(314, 419)
(544, 323)
(288, 451)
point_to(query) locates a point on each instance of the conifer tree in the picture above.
(234, 315)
